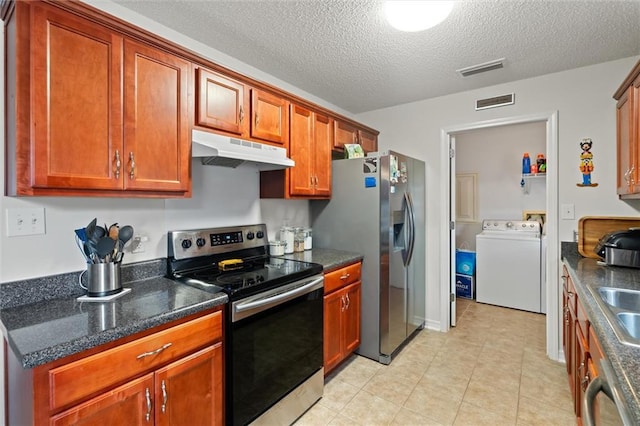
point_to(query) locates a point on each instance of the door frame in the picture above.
(551, 224)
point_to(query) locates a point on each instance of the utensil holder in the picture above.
(103, 279)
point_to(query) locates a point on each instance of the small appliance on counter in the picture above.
(620, 248)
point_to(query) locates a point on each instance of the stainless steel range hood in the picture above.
(218, 150)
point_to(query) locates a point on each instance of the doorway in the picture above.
(448, 169)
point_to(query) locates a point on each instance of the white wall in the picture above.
(583, 98)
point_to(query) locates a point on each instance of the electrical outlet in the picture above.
(138, 243)
(567, 211)
(26, 221)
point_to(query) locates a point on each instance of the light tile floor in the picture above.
(489, 370)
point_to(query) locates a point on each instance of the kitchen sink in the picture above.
(631, 322)
(627, 300)
(621, 307)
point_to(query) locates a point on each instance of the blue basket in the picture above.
(465, 262)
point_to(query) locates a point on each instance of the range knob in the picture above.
(250, 236)
(200, 242)
(186, 244)
(260, 234)
(509, 224)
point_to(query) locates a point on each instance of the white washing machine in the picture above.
(508, 266)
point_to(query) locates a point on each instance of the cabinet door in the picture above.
(221, 103)
(189, 391)
(129, 404)
(75, 101)
(334, 304)
(301, 178)
(344, 133)
(321, 155)
(582, 370)
(368, 141)
(157, 145)
(625, 149)
(351, 318)
(269, 117)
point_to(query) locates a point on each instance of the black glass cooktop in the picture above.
(252, 276)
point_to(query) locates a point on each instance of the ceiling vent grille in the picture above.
(496, 101)
(484, 67)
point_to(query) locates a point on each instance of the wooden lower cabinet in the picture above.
(185, 392)
(576, 344)
(173, 376)
(342, 310)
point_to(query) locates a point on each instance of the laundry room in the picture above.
(491, 184)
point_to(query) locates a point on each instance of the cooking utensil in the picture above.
(125, 234)
(105, 247)
(91, 228)
(113, 231)
(81, 234)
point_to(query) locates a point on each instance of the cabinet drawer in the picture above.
(341, 277)
(74, 381)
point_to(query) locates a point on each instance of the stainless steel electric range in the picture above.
(273, 321)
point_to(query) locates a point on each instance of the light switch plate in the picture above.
(25, 221)
(567, 211)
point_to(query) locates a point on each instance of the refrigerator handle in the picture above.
(412, 227)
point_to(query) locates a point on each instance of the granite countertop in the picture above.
(624, 359)
(329, 259)
(43, 321)
(42, 329)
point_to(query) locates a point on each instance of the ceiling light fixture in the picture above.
(485, 66)
(412, 16)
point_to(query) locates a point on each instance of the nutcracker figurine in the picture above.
(586, 162)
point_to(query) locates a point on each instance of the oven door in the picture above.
(274, 345)
(603, 402)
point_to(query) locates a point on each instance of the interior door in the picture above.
(452, 231)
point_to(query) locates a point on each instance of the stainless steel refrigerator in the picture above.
(377, 208)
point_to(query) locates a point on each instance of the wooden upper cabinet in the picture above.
(91, 112)
(321, 155)
(269, 117)
(628, 135)
(344, 133)
(310, 148)
(222, 103)
(76, 105)
(301, 177)
(368, 141)
(156, 131)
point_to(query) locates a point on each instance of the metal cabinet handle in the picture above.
(348, 301)
(118, 164)
(149, 406)
(345, 276)
(632, 181)
(570, 294)
(585, 382)
(241, 115)
(257, 120)
(157, 351)
(164, 397)
(626, 175)
(343, 305)
(132, 171)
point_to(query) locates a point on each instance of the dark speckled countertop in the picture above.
(624, 359)
(43, 321)
(41, 328)
(329, 259)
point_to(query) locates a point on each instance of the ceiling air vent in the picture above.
(477, 69)
(496, 101)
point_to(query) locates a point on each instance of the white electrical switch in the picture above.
(27, 221)
(567, 211)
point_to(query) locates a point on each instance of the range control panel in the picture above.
(203, 242)
(501, 225)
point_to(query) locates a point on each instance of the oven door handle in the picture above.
(253, 306)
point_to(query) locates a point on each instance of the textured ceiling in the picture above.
(344, 51)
